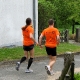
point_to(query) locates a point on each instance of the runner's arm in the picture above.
(32, 37)
(40, 39)
(58, 39)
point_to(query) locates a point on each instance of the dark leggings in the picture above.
(30, 62)
(22, 59)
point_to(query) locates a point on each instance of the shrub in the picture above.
(72, 36)
(77, 76)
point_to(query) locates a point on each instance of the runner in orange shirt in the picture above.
(52, 40)
(28, 45)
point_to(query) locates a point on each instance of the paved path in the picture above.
(8, 72)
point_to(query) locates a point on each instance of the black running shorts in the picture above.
(51, 51)
(28, 48)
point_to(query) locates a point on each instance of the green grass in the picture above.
(77, 76)
(64, 47)
(17, 52)
(10, 53)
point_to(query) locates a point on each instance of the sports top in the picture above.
(27, 41)
(50, 34)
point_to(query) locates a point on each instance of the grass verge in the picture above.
(17, 52)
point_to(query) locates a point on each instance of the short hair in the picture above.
(51, 21)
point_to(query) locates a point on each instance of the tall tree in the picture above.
(46, 11)
(65, 12)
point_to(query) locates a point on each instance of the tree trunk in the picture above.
(73, 26)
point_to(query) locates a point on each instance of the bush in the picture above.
(77, 76)
(72, 36)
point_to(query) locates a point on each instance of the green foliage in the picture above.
(77, 76)
(46, 11)
(63, 11)
(75, 9)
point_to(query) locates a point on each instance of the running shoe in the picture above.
(17, 66)
(47, 67)
(29, 71)
(52, 73)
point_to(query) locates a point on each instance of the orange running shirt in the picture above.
(51, 36)
(27, 41)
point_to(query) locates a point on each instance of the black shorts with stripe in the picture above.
(51, 51)
(28, 48)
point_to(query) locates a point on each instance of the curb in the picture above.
(35, 59)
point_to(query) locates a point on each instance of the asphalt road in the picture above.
(8, 72)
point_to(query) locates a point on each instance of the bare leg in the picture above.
(52, 61)
(26, 54)
(32, 53)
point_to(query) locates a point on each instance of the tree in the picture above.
(65, 12)
(46, 11)
(75, 16)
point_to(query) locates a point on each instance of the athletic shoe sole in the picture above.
(48, 72)
(17, 66)
(29, 71)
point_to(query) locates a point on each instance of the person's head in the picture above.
(28, 21)
(51, 22)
